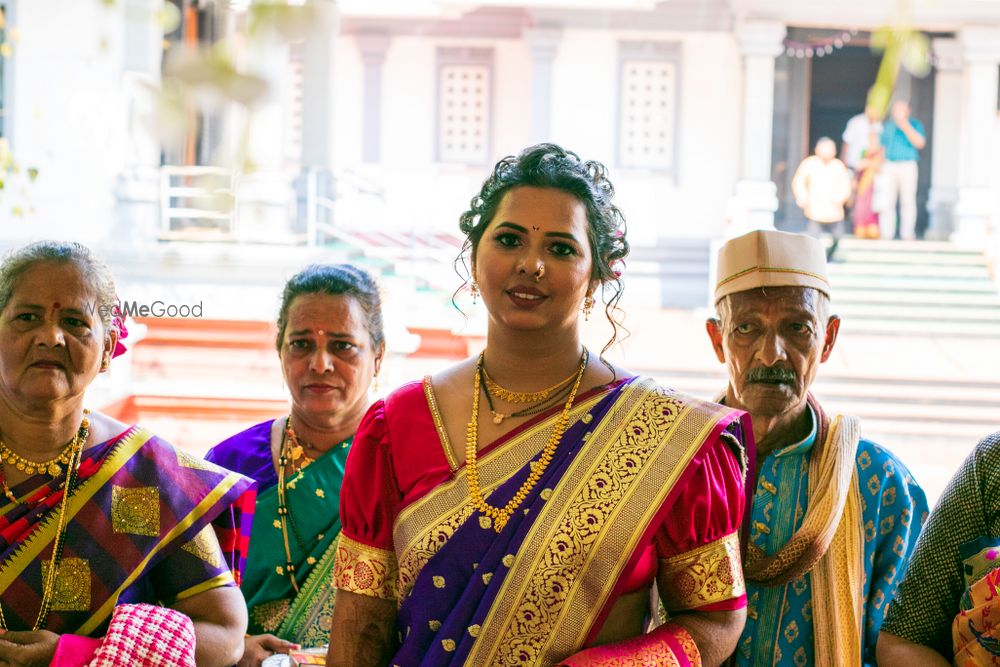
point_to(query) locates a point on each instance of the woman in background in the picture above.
(115, 547)
(330, 343)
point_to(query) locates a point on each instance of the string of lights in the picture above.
(817, 48)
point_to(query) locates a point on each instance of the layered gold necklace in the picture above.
(75, 449)
(501, 515)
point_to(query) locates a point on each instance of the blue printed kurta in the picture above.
(779, 628)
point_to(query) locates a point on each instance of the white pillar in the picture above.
(943, 194)
(976, 199)
(373, 47)
(543, 42)
(317, 89)
(756, 197)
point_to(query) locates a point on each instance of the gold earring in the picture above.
(474, 290)
(105, 364)
(588, 307)
(375, 383)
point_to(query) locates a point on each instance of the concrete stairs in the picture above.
(891, 409)
(914, 288)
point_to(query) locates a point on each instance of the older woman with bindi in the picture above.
(518, 507)
(113, 544)
(330, 342)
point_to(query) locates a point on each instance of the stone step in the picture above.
(933, 328)
(880, 270)
(939, 299)
(881, 390)
(856, 256)
(960, 410)
(923, 247)
(918, 312)
(893, 285)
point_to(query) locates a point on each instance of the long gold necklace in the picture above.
(48, 590)
(501, 515)
(512, 396)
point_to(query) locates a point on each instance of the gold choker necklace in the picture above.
(520, 396)
(53, 467)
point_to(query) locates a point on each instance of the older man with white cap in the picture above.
(834, 517)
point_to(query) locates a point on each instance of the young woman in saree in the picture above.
(330, 343)
(518, 507)
(115, 547)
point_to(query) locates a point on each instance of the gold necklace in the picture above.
(501, 515)
(289, 453)
(53, 467)
(296, 452)
(520, 396)
(48, 590)
(283, 513)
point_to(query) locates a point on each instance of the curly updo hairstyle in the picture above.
(551, 166)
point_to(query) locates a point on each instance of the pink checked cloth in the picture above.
(143, 635)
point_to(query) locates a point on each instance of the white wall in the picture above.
(424, 195)
(67, 113)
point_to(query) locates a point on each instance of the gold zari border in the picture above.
(575, 551)
(706, 575)
(426, 524)
(365, 570)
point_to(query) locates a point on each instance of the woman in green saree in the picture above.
(330, 343)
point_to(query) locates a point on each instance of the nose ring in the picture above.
(539, 273)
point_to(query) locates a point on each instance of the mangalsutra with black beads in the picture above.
(290, 454)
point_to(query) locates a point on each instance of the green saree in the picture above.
(313, 498)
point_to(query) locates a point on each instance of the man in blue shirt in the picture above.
(834, 516)
(903, 138)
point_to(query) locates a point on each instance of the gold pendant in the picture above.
(54, 470)
(497, 417)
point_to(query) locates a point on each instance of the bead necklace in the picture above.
(501, 515)
(72, 477)
(289, 453)
(521, 396)
(296, 452)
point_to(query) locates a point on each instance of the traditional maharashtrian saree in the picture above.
(146, 523)
(949, 598)
(645, 483)
(313, 498)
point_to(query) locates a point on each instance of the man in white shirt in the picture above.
(822, 186)
(856, 134)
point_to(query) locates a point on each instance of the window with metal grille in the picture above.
(464, 121)
(648, 123)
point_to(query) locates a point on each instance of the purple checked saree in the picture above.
(147, 523)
